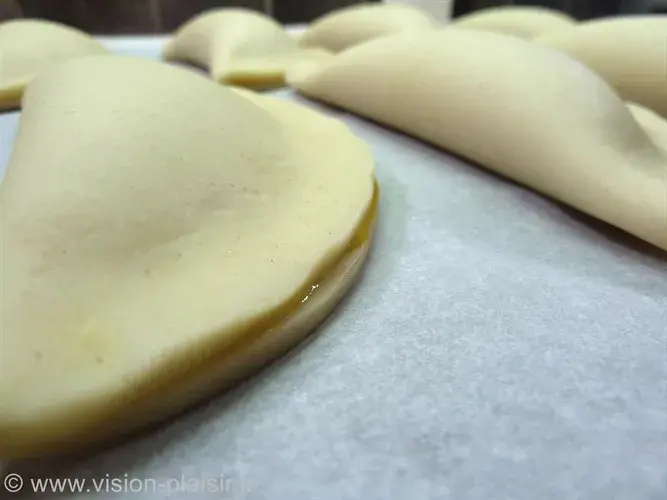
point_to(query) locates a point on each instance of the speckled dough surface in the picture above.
(499, 346)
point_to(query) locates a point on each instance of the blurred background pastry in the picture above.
(155, 16)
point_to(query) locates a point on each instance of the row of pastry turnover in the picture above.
(574, 110)
(164, 236)
(243, 47)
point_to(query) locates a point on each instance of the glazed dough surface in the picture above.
(522, 22)
(29, 46)
(530, 113)
(349, 26)
(239, 46)
(630, 53)
(146, 243)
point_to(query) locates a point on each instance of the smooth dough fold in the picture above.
(522, 22)
(349, 26)
(629, 52)
(162, 237)
(30, 46)
(240, 47)
(522, 110)
(652, 123)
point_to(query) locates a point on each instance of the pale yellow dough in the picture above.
(30, 46)
(162, 236)
(653, 124)
(239, 46)
(629, 52)
(522, 110)
(522, 22)
(349, 26)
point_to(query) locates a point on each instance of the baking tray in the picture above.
(498, 346)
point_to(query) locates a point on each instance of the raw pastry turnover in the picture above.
(163, 236)
(349, 26)
(522, 22)
(29, 46)
(629, 52)
(239, 47)
(515, 107)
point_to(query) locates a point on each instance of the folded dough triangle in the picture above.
(522, 22)
(239, 46)
(343, 28)
(162, 236)
(629, 52)
(525, 111)
(30, 46)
